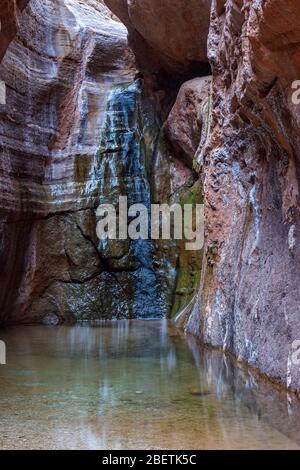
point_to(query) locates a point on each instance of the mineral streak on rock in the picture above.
(249, 297)
(77, 129)
(59, 72)
(72, 81)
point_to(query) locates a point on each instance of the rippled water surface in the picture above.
(129, 385)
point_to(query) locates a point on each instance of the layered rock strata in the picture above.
(77, 129)
(75, 104)
(249, 299)
(10, 14)
(72, 132)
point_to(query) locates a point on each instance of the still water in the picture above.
(134, 385)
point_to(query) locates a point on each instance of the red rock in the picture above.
(249, 298)
(171, 34)
(9, 22)
(59, 72)
(186, 123)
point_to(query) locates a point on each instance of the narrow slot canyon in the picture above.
(149, 342)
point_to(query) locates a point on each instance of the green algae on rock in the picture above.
(189, 262)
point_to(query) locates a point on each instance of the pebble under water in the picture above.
(135, 385)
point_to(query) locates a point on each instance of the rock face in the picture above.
(9, 22)
(76, 131)
(186, 129)
(187, 123)
(249, 298)
(169, 34)
(80, 126)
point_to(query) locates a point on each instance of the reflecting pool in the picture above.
(134, 385)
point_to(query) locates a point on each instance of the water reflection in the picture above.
(134, 384)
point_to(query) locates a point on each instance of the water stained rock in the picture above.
(84, 119)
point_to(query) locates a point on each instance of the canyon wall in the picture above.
(247, 159)
(76, 130)
(249, 298)
(169, 35)
(169, 40)
(85, 121)
(10, 15)
(58, 72)
(80, 127)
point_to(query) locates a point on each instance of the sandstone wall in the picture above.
(10, 15)
(78, 129)
(60, 72)
(249, 298)
(71, 83)
(169, 34)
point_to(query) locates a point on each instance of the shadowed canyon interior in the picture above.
(169, 101)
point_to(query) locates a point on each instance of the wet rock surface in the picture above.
(69, 104)
(78, 130)
(85, 121)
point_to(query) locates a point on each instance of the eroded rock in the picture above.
(249, 299)
(187, 123)
(69, 106)
(171, 34)
(9, 22)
